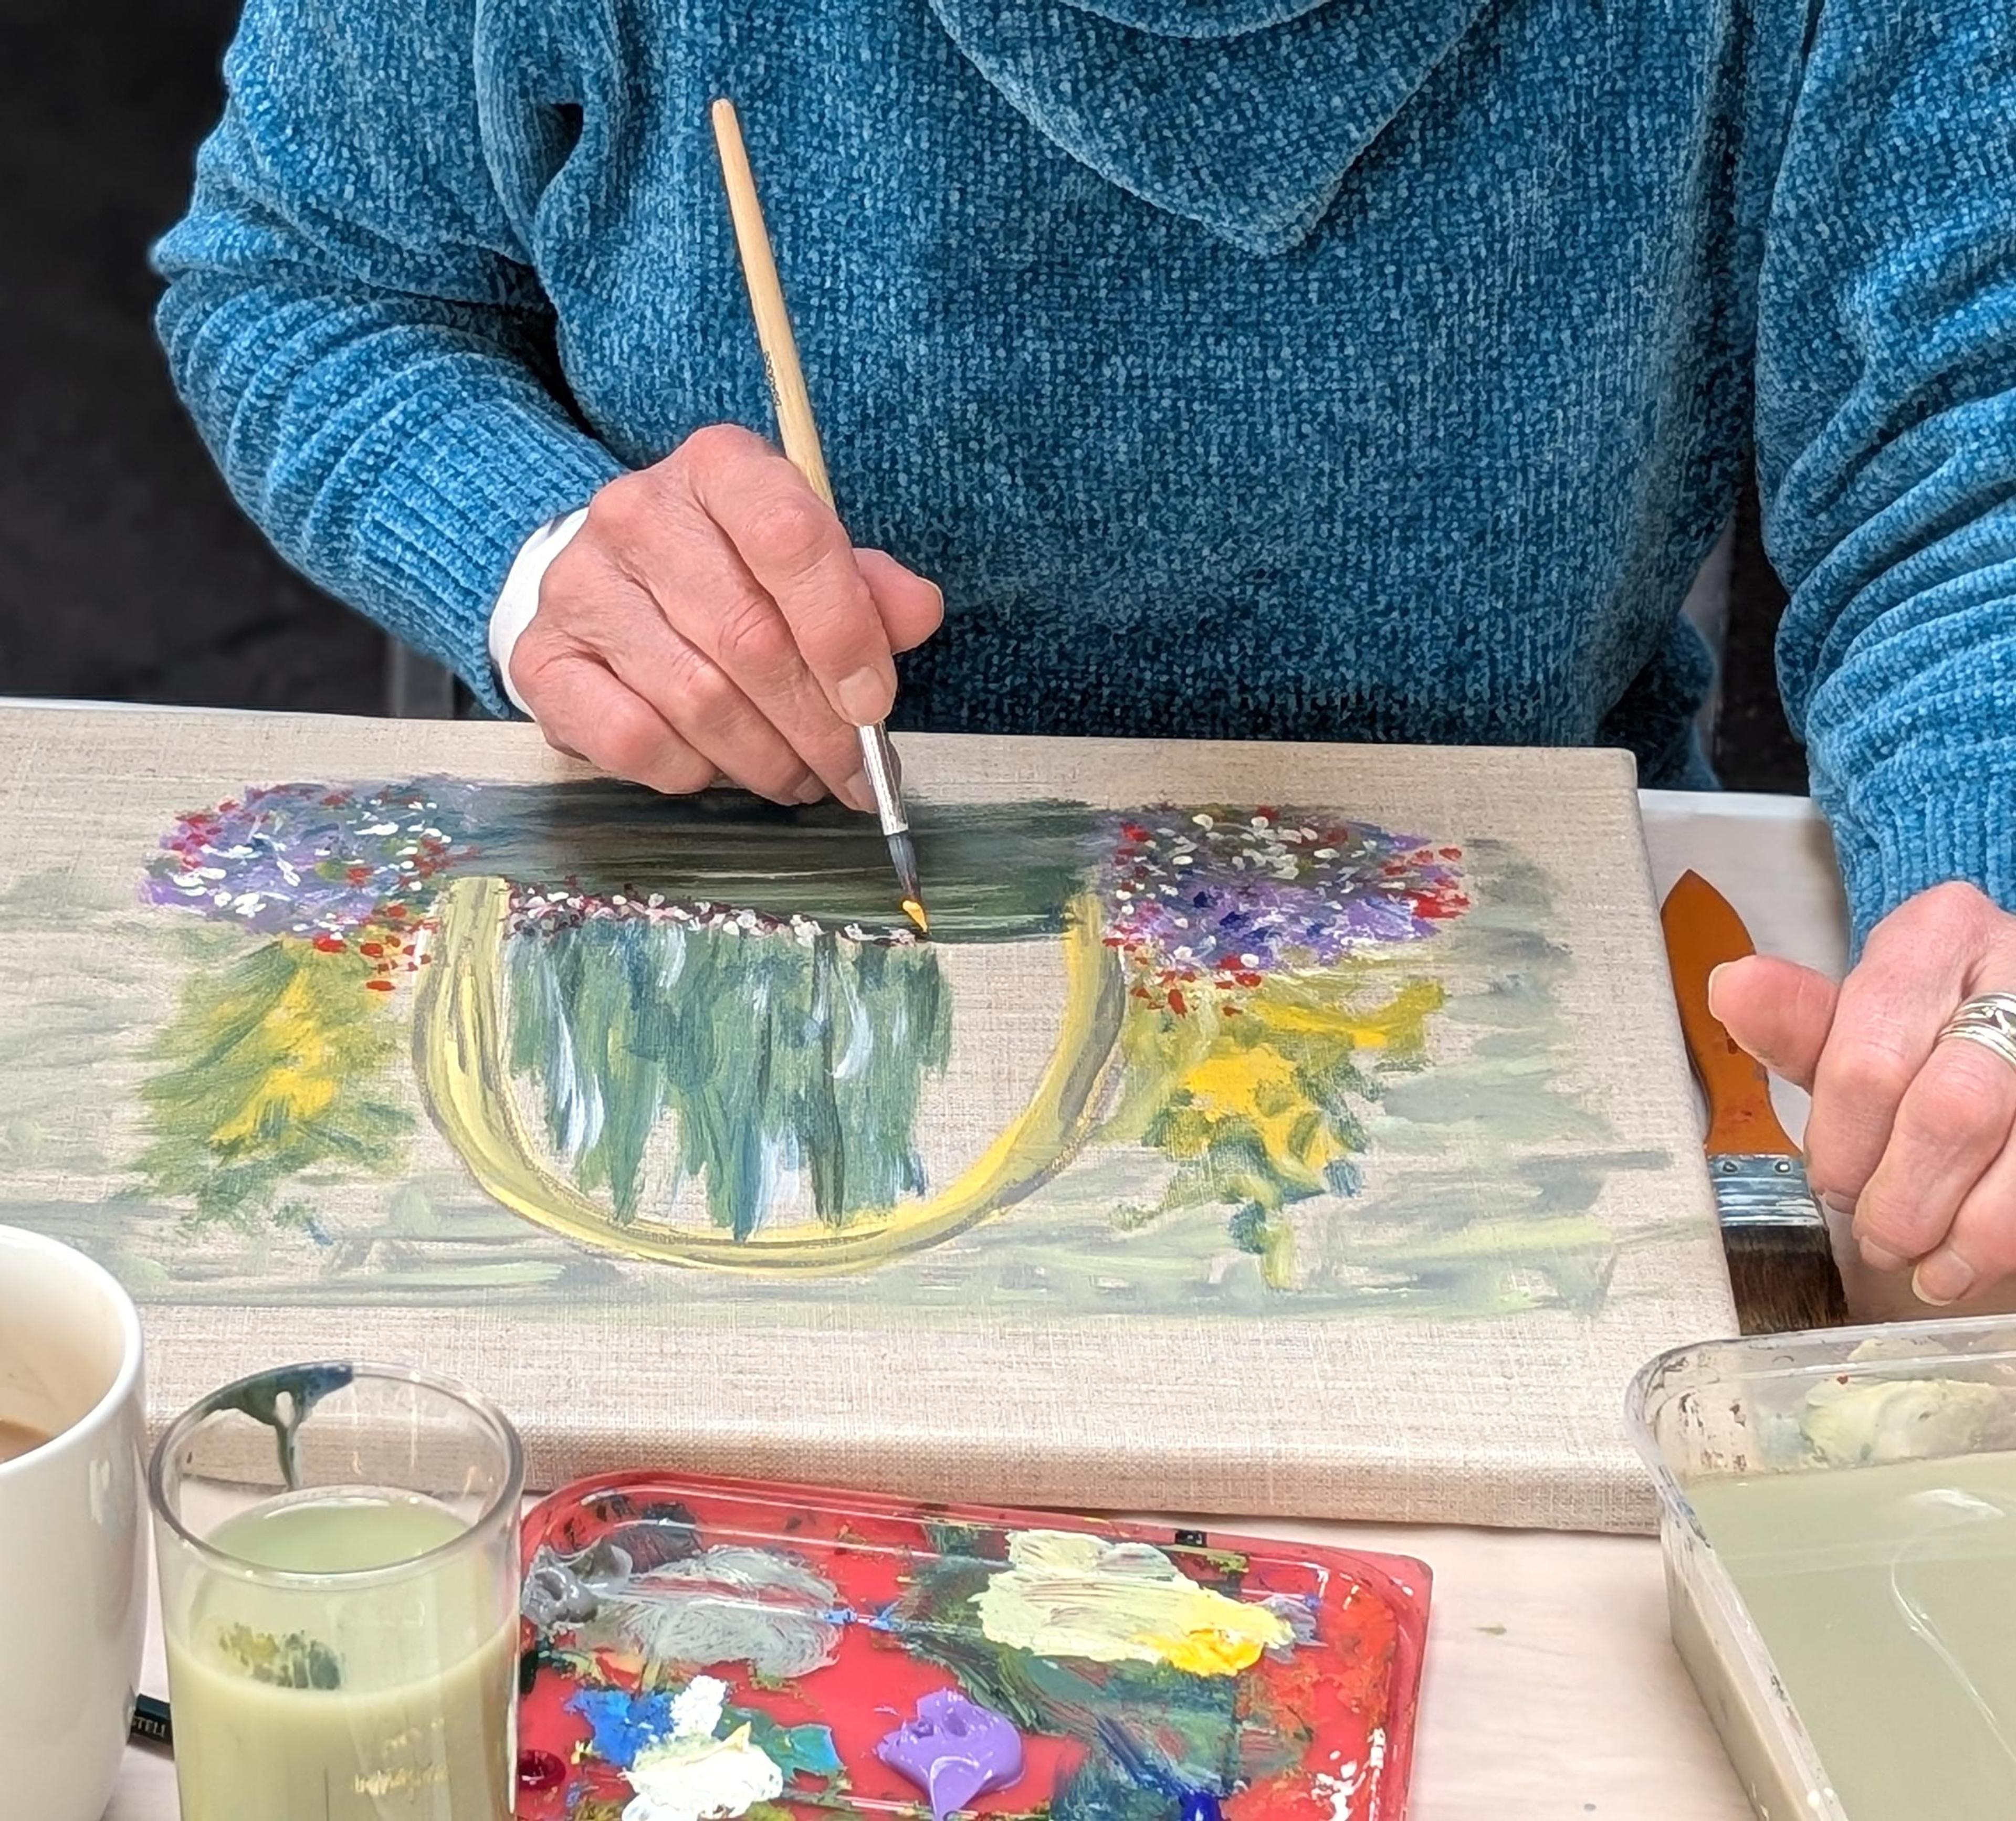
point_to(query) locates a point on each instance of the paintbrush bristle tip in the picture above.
(915, 912)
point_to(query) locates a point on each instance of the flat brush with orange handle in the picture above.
(1781, 1264)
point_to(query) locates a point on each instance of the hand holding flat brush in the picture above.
(1781, 1265)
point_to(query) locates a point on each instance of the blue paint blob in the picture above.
(623, 1723)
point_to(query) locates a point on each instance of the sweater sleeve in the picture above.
(1886, 423)
(351, 319)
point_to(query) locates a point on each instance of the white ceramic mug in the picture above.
(73, 1566)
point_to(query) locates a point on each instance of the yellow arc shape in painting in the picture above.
(459, 1052)
(1068, 1594)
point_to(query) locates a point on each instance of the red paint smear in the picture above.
(1364, 1669)
(378, 986)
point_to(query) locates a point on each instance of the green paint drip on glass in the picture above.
(281, 1401)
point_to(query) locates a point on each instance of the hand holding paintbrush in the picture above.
(801, 443)
(712, 619)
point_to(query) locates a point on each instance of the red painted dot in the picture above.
(378, 986)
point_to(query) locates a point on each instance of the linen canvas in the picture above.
(1261, 1129)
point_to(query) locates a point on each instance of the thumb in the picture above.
(912, 607)
(1778, 1011)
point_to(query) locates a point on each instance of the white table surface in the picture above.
(1552, 1693)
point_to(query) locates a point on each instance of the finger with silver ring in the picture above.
(1989, 1020)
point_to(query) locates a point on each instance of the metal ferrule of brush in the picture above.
(1762, 1191)
(885, 778)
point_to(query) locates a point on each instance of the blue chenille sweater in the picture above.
(1368, 369)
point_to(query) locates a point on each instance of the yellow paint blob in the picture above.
(915, 912)
(1065, 1594)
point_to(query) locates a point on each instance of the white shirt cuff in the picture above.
(518, 599)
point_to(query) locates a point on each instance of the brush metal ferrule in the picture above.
(1763, 1190)
(885, 779)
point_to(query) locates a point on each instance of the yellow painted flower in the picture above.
(302, 1068)
(1065, 1594)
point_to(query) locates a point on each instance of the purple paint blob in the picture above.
(954, 1750)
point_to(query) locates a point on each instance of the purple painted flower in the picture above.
(308, 860)
(1222, 898)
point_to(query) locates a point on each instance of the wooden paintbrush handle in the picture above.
(1703, 931)
(795, 427)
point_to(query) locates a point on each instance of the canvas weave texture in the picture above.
(1263, 1129)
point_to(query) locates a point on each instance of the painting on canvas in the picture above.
(1256, 1127)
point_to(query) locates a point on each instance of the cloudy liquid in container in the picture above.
(1887, 1597)
(385, 1701)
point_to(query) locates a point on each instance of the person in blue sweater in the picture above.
(1342, 369)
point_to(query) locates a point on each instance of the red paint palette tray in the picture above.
(702, 1648)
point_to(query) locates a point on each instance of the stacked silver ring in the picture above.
(1989, 1020)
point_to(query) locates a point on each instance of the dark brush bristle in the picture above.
(1784, 1278)
(903, 857)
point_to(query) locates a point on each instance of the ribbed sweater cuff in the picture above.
(1922, 822)
(453, 509)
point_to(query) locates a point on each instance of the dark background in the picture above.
(125, 570)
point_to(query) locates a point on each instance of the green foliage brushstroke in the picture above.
(1257, 1100)
(274, 1065)
(769, 1053)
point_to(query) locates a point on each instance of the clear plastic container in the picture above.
(1823, 1402)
